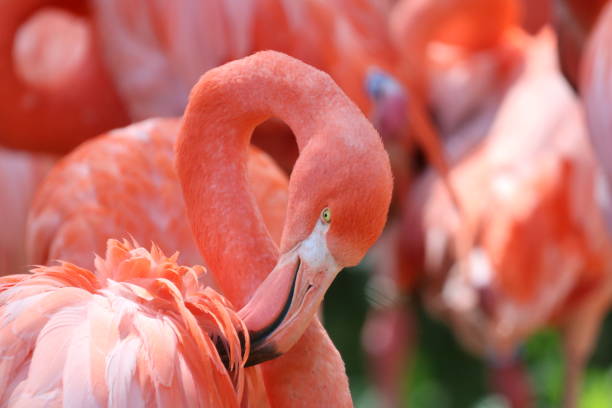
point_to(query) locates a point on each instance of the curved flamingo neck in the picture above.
(224, 108)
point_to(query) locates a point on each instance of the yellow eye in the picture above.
(326, 215)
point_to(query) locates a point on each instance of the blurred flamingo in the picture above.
(596, 93)
(455, 74)
(574, 21)
(176, 42)
(54, 87)
(455, 61)
(155, 53)
(523, 255)
(457, 58)
(536, 14)
(20, 174)
(183, 340)
(420, 28)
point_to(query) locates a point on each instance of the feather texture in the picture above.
(138, 332)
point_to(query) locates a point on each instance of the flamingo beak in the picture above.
(286, 302)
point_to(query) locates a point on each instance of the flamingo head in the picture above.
(390, 102)
(339, 195)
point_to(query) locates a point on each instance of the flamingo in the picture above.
(457, 58)
(536, 15)
(20, 174)
(472, 26)
(54, 88)
(573, 22)
(124, 183)
(185, 342)
(176, 42)
(532, 259)
(459, 73)
(595, 92)
(455, 61)
(154, 53)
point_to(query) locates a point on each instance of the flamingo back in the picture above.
(124, 184)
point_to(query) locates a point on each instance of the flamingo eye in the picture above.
(326, 215)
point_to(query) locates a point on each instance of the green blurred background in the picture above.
(441, 374)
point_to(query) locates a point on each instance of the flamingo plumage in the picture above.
(139, 59)
(454, 59)
(533, 259)
(324, 230)
(471, 26)
(20, 175)
(574, 20)
(457, 59)
(123, 183)
(178, 41)
(139, 331)
(595, 92)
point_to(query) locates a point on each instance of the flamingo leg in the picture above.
(510, 379)
(580, 336)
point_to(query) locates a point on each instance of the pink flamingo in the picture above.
(54, 88)
(472, 26)
(458, 56)
(536, 14)
(176, 42)
(124, 183)
(20, 174)
(532, 258)
(459, 72)
(455, 61)
(595, 92)
(170, 339)
(155, 53)
(573, 22)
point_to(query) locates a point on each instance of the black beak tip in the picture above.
(262, 354)
(257, 355)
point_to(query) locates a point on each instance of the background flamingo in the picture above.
(156, 53)
(20, 173)
(54, 88)
(505, 287)
(595, 90)
(458, 73)
(574, 21)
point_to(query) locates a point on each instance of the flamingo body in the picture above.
(124, 184)
(134, 332)
(522, 255)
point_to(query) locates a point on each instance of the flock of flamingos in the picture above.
(471, 136)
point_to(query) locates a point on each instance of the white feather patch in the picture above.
(123, 387)
(77, 370)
